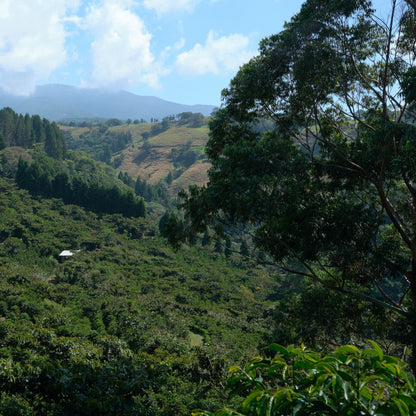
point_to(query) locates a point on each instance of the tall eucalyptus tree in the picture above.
(329, 187)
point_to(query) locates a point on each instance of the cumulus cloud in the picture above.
(121, 47)
(32, 41)
(221, 54)
(104, 41)
(167, 6)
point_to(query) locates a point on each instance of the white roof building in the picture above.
(66, 253)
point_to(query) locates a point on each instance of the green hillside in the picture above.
(150, 151)
(126, 326)
(285, 285)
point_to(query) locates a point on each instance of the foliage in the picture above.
(37, 179)
(323, 319)
(169, 224)
(195, 120)
(109, 331)
(313, 151)
(301, 382)
(157, 192)
(100, 142)
(158, 159)
(114, 122)
(26, 131)
(184, 156)
(55, 172)
(158, 128)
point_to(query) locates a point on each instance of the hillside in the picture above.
(160, 155)
(129, 326)
(149, 150)
(126, 326)
(62, 102)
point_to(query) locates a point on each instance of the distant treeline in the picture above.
(92, 196)
(26, 131)
(104, 144)
(193, 120)
(196, 119)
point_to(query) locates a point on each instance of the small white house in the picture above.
(65, 255)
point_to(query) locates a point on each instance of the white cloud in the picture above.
(172, 49)
(226, 53)
(121, 48)
(168, 6)
(32, 41)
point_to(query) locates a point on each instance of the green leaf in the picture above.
(346, 387)
(375, 351)
(320, 382)
(253, 396)
(280, 349)
(393, 369)
(410, 402)
(368, 379)
(304, 365)
(277, 369)
(366, 393)
(346, 376)
(347, 349)
(402, 407)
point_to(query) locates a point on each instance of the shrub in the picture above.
(301, 382)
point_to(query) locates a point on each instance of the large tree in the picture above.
(315, 149)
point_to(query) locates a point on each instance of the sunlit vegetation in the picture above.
(117, 298)
(150, 151)
(127, 325)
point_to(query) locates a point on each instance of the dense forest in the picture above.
(51, 171)
(155, 159)
(128, 325)
(285, 285)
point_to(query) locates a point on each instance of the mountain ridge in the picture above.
(58, 102)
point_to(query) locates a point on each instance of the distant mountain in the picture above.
(63, 103)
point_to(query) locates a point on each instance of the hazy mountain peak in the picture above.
(63, 102)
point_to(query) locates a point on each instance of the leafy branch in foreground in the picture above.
(301, 382)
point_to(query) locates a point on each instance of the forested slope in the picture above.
(169, 151)
(35, 155)
(127, 326)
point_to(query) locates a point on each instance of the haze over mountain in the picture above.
(62, 102)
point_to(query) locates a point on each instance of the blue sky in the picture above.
(179, 50)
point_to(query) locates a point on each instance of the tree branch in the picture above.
(395, 218)
(385, 296)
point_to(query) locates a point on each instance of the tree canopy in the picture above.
(315, 148)
(26, 131)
